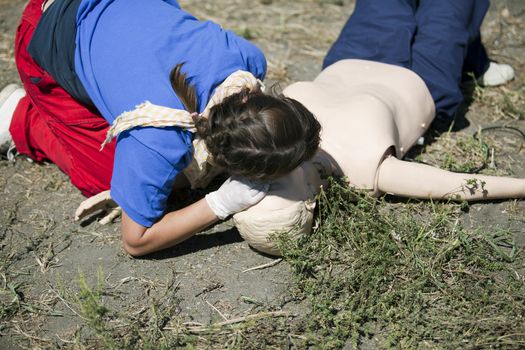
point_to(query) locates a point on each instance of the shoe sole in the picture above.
(11, 92)
(7, 92)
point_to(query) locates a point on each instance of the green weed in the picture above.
(128, 329)
(159, 327)
(93, 310)
(409, 276)
(458, 152)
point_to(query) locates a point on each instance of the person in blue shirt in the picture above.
(124, 53)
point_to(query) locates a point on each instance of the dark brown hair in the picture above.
(254, 135)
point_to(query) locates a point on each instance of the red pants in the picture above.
(48, 124)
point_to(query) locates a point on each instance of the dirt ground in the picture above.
(43, 251)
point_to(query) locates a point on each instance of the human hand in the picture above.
(235, 195)
(101, 201)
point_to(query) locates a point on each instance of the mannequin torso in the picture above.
(366, 108)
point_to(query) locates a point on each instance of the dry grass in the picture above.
(376, 274)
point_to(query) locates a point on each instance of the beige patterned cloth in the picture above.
(200, 171)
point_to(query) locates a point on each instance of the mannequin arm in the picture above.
(416, 180)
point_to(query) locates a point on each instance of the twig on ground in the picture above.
(65, 302)
(192, 324)
(210, 288)
(200, 329)
(64, 340)
(218, 311)
(19, 330)
(263, 266)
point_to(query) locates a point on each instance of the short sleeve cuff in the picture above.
(143, 179)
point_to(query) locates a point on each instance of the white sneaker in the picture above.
(9, 98)
(496, 74)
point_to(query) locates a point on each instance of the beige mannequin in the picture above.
(371, 114)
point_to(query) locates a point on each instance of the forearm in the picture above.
(408, 179)
(234, 195)
(172, 229)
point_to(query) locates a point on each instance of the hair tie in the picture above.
(261, 86)
(195, 116)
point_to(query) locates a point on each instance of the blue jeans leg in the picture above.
(477, 60)
(445, 28)
(377, 30)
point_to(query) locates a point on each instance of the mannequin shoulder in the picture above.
(304, 91)
(354, 72)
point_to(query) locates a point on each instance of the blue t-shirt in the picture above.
(125, 52)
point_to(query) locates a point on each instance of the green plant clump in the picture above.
(406, 276)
